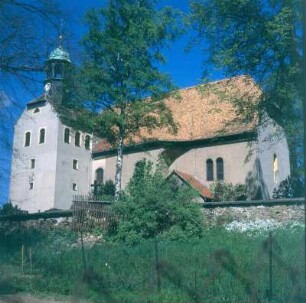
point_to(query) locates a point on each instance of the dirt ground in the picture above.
(22, 298)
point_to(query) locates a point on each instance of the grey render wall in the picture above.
(41, 197)
(65, 174)
(129, 161)
(193, 162)
(244, 162)
(271, 141)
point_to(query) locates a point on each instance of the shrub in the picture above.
(150, 207)
(289, 188)
(9, 209)
(228, 192)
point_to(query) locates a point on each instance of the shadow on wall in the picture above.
(255, 182)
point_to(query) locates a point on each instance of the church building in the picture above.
(52, 162)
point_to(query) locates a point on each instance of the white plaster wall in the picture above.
(65, 173)
(41, 197)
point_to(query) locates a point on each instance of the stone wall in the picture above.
(279, 213)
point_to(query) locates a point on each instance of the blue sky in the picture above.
(184, 68)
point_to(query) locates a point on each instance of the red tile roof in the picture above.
(194, 183)
(207, 111)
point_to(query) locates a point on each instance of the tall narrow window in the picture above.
(27, 139)
(209, 170)
(275, 168)
(220, 169)
(87, 142)
(32, 164)
(75, 164)
(74, 187)
(77, 139)
(100, 175)
(42, 134)
(67, 135)
(31, 185)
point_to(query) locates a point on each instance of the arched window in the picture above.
(209, 170)
(87, 142)
(27, 139)
(77, 139)
(67, 135)
(275, 168)
(220, 169)
(99, 175)
(42, 134)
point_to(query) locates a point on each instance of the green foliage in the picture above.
(9, 209)
(106, 191)
(228, 192)
(289, 188)
(122, 54)
(222, 267)
(150, 207)
(262, 39)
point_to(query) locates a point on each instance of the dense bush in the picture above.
(289, 188)
(223, 191)
(9, 209)
(151, 207)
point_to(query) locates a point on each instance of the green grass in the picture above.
(222, 267)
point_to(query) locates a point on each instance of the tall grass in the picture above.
(224, 266)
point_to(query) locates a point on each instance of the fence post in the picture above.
(270, 266)
(157, 264)
(22, 257)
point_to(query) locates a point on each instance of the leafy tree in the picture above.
(150, 207)
(228, 192)
(261, 38)
(120, 71)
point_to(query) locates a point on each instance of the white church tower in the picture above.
(51, 161)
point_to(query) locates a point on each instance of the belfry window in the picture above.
(87, 142)
(220, 169)
(42, 135)
(27, 139)
(67, 135)
(209, 170)
(77, 139)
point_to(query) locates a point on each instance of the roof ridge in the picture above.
(215, 82)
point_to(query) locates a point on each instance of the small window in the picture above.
(42, 134)
(32, 163)
(220, 169)
(209, 170)
(99, 175)
(67, 135)
(31, 185)
(75, 164)
(27, 139)
(87, 142)
(74, 187)
(36, 110)
(77, 139)
(275, 168)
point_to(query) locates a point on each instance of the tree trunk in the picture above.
(119, 165)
